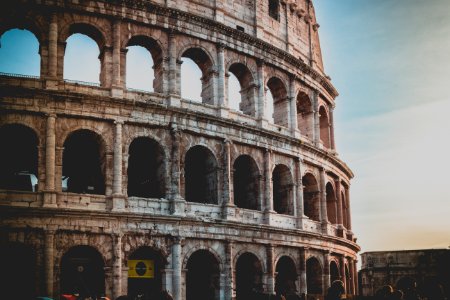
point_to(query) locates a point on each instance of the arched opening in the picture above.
(19, 53)
(280, 101)
(274, 9)
(334, 271)
(324, 127)
(145, 273)
(283, 190)
(195, 59)
(146, 169)
(203, 276)
(241, 89)
(84, 59)
(347, 281)
(82, 272)
(286, 275)
(248, 276)
(344, 210)
(200, 172)
(144, 64)
(18, 158)
(314, 277)
(305, 115)
(311, 201)
(84, 163)
(331, 204)
(406, 284)
(246, 185)
(18, 269)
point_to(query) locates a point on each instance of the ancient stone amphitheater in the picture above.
(111, 191)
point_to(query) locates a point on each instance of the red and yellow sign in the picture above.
(141, 268)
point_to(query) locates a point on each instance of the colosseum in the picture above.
(106, 190)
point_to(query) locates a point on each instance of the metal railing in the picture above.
(82, 82)
(19, 75)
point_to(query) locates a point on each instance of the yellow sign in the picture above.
(141, 268)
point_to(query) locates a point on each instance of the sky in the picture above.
(390, 62)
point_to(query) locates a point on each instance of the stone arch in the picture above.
(286, 276)
(156, 51)
(246, 183)
(201, 175)
(33, 24)
(84, 162)
(305, 114)
(334, 271)
(134, 242)
(314, 280)
(103, 134)
(196, 248)
(248, 275)
(146, 170)
(17, 257)
(311, 201)
(253, 252)
(205, 63)
(283, 190)
(147, 264)
(324, 121)
(280, 101)
(245, 77)
(82, 271)
(331, 203)
(203, 276)
(19, 158)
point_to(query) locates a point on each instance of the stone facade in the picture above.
(429, 269)
(197, 188)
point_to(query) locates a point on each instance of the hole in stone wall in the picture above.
(248, 276)
(282, 190)
(203, 276)
(311, 197)
(246, 186)
(313, 277)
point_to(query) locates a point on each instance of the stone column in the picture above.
(106, 66)
(261, 104)
(299, 192)
(176, 267)
(229, 270)
(117, 88)
(316, 131)
(117, 265)
(53, 47)
(342, 271)
(293, 106)
(177, 203)
(326, 271)
(49, 262)
(221, 75)
(332, 141)
(302, 271)
(323, 199)
(227, 195)
(118, 200)
(355, 278)
(268, 205)
(270, 269)
(50, 162)
(174, 92)
(340, 219)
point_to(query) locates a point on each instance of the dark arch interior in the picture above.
(200, 176)
(18, 158)
(313, 277)
(331, 204)
(17, 271)
(311, 197)
(82, 271)
(286, 277)
(148, 288)
(334, 272)
(246, 183)
(324, 127)
(203, 276)
(84, 163)
(347, 280)
(280, 103)
(245, 78)
(146, 169)
(282, 190)
(304, 115)
(248, 276)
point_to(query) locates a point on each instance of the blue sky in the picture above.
(390, 61)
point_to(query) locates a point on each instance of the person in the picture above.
(335, 291)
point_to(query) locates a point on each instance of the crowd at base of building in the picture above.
(406, 274)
